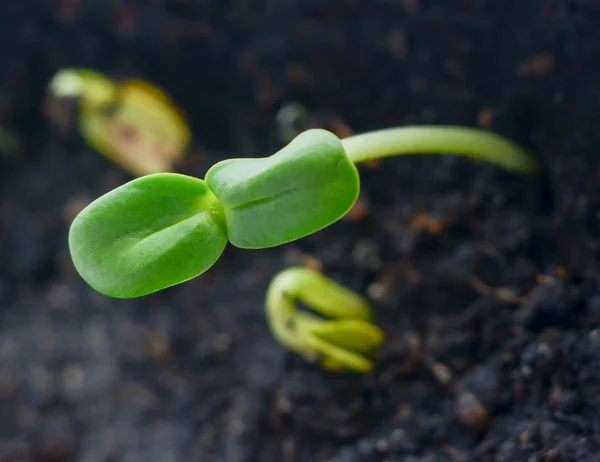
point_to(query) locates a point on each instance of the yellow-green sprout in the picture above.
(134, 123)
(341, 336)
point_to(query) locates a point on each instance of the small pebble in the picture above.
(377, 291)
(554, 397)
(222, 342)
(382, 446)
(536, 358)
(472, 413)
(359, 210)
(405, 412)
(442, 373)
(485, 117)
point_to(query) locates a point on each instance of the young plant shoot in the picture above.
(165, 228)
(134, 123)
(343, 338)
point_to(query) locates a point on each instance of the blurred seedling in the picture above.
(163, 229)
(133, 123)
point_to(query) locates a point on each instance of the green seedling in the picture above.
(134, 123)
(346, 339)
(163, 229)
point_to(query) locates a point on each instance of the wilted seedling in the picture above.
(163, 229)
(134, 123)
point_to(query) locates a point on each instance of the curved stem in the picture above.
(432, 139)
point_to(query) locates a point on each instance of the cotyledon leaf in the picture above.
(149, 234)
(304, 187)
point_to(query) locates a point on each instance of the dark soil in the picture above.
(488, 284)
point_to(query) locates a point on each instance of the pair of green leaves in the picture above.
(164, 229)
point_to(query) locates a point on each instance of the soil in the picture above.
(487, 284)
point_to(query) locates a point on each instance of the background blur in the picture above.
(488, 284)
